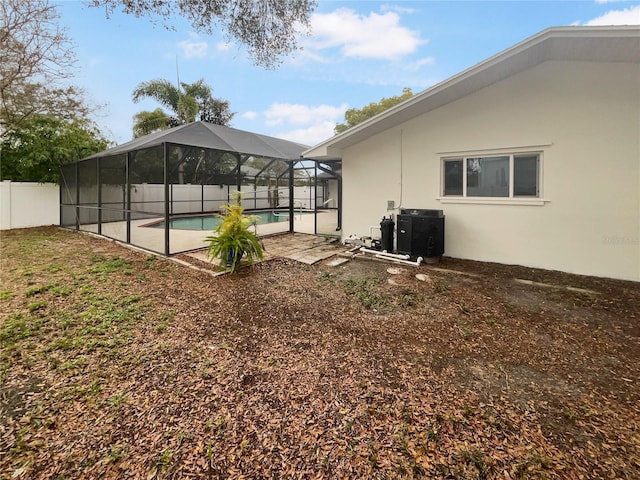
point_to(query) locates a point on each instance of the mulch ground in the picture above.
(116, 364)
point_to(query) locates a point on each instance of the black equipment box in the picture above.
(421, 232)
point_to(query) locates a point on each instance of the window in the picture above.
(496, 176)
(453, 177)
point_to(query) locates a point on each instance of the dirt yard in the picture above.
(116, 364)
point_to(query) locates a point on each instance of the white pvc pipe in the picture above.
(386, 254)
(401, 256)
(404, 262)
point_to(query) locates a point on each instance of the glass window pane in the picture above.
(525, 175)
(488, 177)
(453, 177)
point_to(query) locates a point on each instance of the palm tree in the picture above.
(146, 122)
(191, 102)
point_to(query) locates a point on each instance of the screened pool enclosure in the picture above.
(160, 192)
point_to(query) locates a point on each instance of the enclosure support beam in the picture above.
(99, 182)
(291, 193)
(339, 226)
(127, 174)
(315, 204)
(77, 197)
(165, 152)
(60, 191)
(239, 173)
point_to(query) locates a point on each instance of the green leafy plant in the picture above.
(233, 237)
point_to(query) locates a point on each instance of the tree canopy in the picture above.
(34, 151)
(36, 60)
(268, 28)
(190, 102)
(354, 116)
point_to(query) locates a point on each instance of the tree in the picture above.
(268, 28)
(354, 116)
(34, 151)
(146, 122)
(191, 102)
(36, 58)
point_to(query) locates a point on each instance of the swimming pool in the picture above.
(209, 222)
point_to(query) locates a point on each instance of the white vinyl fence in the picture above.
(25, 204)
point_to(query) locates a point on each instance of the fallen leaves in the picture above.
(287, 372)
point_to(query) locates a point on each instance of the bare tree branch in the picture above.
(35, 59)
(268, 28)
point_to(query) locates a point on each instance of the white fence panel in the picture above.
(26, 204)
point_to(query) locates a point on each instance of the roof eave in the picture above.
(524, 55)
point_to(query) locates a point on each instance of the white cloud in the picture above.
(376, 36)
(296, 114)
(194, 48)
(626, 16)
(223, 46)
(397, 9)
(310, 124)
(250, 115)
(311, 135)
(418, 64)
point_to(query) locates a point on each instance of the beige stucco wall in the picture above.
(584, 117)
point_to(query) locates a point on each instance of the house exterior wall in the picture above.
(585, 119)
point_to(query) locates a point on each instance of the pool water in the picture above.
(209, 222)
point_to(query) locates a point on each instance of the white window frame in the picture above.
(511, 199)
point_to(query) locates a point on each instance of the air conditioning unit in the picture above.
(421, 232)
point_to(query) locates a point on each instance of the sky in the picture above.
(358, 52)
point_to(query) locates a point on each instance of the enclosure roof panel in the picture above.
(217, 137)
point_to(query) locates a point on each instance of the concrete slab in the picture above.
(304, 248)
(338, 261)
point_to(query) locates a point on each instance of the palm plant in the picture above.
(233, 238)
(186, 103)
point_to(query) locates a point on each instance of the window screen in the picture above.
(525, 175)
(453, 177)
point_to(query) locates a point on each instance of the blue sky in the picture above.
(359, 52)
